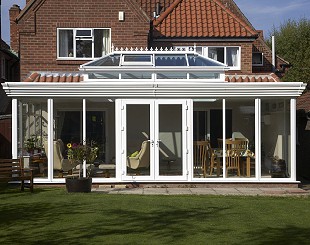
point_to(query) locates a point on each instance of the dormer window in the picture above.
(83, 43)
(257, 59)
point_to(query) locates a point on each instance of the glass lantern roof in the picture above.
(153, 59)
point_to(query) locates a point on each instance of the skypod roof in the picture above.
(153, 59)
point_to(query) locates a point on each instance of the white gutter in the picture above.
(166, 89)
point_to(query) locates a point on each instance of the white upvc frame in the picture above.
(75, 38)
(154, 139)
(293, 138)
(15, 119)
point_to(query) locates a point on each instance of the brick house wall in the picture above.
(37, 43)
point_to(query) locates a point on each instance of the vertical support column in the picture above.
(224, 138)
(84, 133)
(50, 137)
(258, 159)
(120, 140)
(293, 139)
(14, 128)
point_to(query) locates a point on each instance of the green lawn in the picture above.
(52, 216)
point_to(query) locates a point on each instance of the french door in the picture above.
(154, 139)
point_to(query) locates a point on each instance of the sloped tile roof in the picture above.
(76, 77)
(200, 18)
(303, 102)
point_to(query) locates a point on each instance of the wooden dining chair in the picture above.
(233, 161)
(213, 161)
(201, 157)
(234, 148)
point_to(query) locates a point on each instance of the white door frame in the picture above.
(154, 138)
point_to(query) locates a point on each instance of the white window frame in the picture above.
(258, 64)
(76, 37)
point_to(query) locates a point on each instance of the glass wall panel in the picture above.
(240, 140)
(207, 129)
(275, 138)
(32, 131)
(100, 129)
(138, 145)
(67, 131)
(170, 140)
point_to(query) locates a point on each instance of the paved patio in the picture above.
(205, 191)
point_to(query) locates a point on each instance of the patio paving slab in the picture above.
(236, 191)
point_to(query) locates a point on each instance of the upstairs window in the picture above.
(83, 43)
(257, 59)
(227, 55)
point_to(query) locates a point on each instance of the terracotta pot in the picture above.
(78, 184)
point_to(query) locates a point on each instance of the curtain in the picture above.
(63, 43)
(232, 56)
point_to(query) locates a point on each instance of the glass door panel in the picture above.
(138, 142)
(170, 147)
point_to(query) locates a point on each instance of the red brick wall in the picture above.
(38, 29)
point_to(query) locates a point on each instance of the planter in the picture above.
(78, 184)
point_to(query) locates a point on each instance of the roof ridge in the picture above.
(167, 12)
(245, 25)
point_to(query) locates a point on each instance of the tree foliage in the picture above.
(292, 40)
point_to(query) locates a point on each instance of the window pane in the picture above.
(101, 42)
(257, 59)
(84, 48)
(65, 43)
(32, 134)
(216, 53)
(111, 60)
(170, 60)
(195, 60)
(137, 58)
(204, 75)
(207, 129)
(232, 56)
(240, 151)
(83, 33)
(104, 75)
(136, 75)
(276, 138)
(171, 75)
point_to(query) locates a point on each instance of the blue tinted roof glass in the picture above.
(170, 60)
(196, 60)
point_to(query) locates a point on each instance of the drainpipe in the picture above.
(273, 54)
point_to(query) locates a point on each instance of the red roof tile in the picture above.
(75, 77)
(54, 77)
(303, 102)
(201, 18)
(253, 78)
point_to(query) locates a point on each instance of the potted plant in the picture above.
(78, 153)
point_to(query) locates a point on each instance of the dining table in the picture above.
(247, 155)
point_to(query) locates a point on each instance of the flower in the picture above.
(78, 152)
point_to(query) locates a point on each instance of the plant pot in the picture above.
(78, 184)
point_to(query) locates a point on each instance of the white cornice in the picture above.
(177, 89)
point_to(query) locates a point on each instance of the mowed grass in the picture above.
(52, 216)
